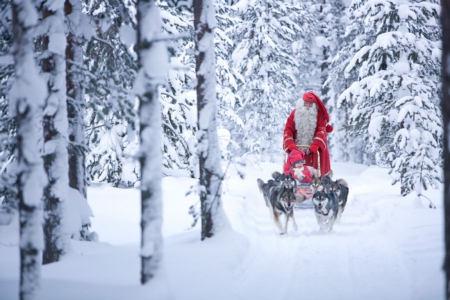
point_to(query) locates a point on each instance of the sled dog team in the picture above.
(329, 199)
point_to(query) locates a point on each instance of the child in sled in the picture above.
(295, 165)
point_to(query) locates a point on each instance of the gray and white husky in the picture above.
(340, 188)
(280, 198)
(326, 207)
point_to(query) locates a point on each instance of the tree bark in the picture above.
(55, 135)
(75, 106)
(26, 99)
(208, 141)
(150, 156)
(445, 104)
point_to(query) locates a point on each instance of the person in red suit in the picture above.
(307, 125)
(295, 166)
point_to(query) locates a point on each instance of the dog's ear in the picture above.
(276, 174)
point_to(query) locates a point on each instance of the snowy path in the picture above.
(386, 247)
(358, 260)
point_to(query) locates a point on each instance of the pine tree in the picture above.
(227, 77)
(110, 108)
(345, 145)
(445, 19)
(213, 217)
(8, 184)
(153, 62)
(75, 93)
(396, 96)
(55, 127)
(333, 84)
(26, 99)
(178, 98)
(267, 55)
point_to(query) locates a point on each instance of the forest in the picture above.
(128, 93)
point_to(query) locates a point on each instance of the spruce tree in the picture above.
(110, 107)
(267, 55)
(26, 100)
(210, 178)
(396, 58)
(55, 126)
(153, 64)
(178, 97)
(8, 187)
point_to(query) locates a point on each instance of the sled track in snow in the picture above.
(355, 261)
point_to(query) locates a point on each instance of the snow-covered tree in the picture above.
(396, 58)
(78, 30)
(26, 99)
(212, 214)
(445, 103)
(8, 191)
(110, 108)
(226, 75)
(153, 62)
(269, 50)
(55, 126)
(343, 146)
(330, 40)
(178, 98)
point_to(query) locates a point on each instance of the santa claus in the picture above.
(306, 128)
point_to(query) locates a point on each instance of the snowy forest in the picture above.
(132, 94)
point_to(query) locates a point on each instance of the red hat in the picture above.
(312, 97)
(296, 156)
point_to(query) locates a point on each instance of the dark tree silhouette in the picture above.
(445, 20)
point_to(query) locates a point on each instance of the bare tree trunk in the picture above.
(208, 141)
(75, 105)
(26, 99)
(55, 136)
(150, 156)
(445, 20)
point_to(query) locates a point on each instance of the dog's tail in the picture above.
(343, 182)
(260, 185)
(330, 174)
(276, 174)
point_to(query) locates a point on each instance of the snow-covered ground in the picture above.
(386, 247)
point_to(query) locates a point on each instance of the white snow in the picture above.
(386, 247)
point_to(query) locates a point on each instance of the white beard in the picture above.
(305, 123)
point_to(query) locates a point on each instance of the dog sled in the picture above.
(303, 191)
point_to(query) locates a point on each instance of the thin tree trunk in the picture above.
(55, 136)
(26, 99)
(150, 156)
(445, 20)
(75, 105)
(208, 141)
(75, 102)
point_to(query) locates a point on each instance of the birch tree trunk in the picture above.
(152, 60)
(26, 99)
(55, 134)
(208, 141)
(445, 21)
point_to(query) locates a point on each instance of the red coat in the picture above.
(320, 139)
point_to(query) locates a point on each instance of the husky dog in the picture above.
(326, 206)
(280, 198)
(322, 183)
(340, 188)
